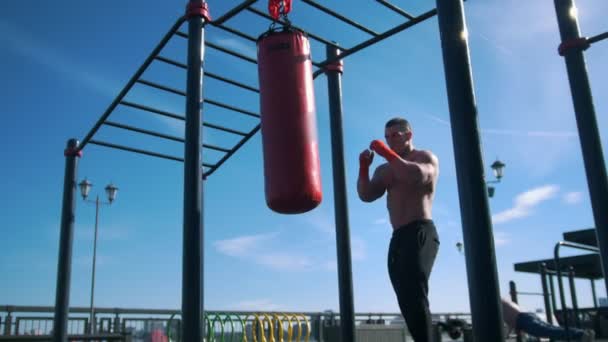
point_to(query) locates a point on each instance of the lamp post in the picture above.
(498, 168)
(111, 191)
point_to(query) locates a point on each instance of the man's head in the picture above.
(398, 134)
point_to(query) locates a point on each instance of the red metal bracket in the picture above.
(335, 66)
(577, 43)
(72, 152)
(198, 9)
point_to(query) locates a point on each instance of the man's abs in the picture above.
(405, 208)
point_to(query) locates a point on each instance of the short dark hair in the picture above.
(403, 124)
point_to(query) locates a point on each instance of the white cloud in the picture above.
(358, 248)
(254, 248)
(257, 305)
(501, 238)
(323, 223)
(573, 197)
(512, 132)
(242, 245)
(525, 203)
(381, 221)
(239, 46)
(283, 261)
(27, 46)
(331, 265)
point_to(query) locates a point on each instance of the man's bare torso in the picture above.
(408, 201)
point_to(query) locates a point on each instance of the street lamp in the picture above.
(497, 168)
(111, 191)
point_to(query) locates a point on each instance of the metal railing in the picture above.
(560, 283)
(34, 323)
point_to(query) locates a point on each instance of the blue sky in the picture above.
(62, 63)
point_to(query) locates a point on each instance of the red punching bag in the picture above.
(289, 128)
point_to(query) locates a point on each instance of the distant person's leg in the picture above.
(532, 325)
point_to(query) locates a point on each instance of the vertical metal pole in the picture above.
(192, 258)
(513, 291)
(552, 285)
(92, 327)
(543, 280)
(345, 281)
(116, 329)
(8, 323)
(64, 264)
(593, 293)
(562, 295)
(595, 167)
(574, 299)
(484, 293)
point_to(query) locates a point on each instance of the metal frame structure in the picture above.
(478, 237)
(571, 48)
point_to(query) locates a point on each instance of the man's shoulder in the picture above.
(382, 167)
(425, 156)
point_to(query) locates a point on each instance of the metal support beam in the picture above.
(593, 295)
(545, 287)
(345, 278)
(66, 238)
(577, 320)
(584, 109)
(484, 291)
(192, 258)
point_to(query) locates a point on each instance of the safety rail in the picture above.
(220, 326)
(560, 284)
(80, 338)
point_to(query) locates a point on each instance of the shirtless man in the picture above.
(409, 177)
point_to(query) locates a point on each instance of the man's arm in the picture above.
(421, 170)
(371, 190)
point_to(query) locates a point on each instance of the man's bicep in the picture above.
(429, 165)
(378, 183)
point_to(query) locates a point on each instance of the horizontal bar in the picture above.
(175, 116)
(220, 128)
(217, 77)
(396, 9)
(131, 82)
(181, 34)
(340, 17)
(228, 29)
(387, 34)
(144, 131)
(135, 150)
(152, 110)
(162, 87)
(227, 80)
(231, 52)
(315, 37)
(161, 135)
(217, 148)
(236, 109)
(531, 293)
(236, 10)
(236, 32)
(172, 62)
(597, 38)
(234, 149)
